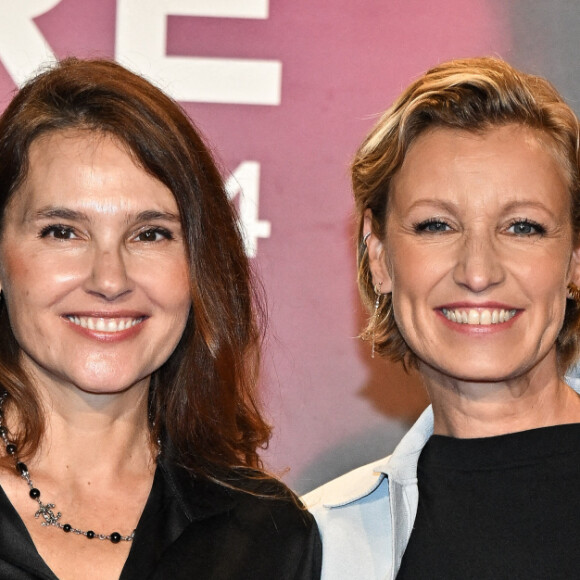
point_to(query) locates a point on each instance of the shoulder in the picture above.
(248, 519)
(358, 499)
(355, 512)
(241, 490)
(280, 526)
(262, 496)
(354, 517)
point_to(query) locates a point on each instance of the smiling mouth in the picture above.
(481, 317)
(104, 324)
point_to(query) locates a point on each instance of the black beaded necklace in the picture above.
(45, 509)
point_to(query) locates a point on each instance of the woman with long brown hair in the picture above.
(129, 347)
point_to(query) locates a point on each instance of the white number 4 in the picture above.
(245, 183)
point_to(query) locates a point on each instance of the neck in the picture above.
(467, 409)
(96, 435)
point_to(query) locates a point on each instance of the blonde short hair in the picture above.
(473, 94)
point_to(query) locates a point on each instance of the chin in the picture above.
(102, 389)
(104, 385)
(482, 373)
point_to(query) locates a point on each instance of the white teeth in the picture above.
(481, 317)
(104, 324)
(485, 317)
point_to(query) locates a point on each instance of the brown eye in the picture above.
(154, 235)
(148, 236)
(58, 232)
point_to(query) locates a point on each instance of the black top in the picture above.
(505, 507)
(194, 528)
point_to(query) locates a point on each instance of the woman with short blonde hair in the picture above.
(468, 200)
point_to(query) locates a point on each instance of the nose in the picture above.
(108, 276)
(478, 266)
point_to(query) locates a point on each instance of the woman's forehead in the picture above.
(89, 172)
(506, 164)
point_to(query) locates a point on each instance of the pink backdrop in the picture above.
(339, 64)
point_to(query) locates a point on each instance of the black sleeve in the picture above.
(310, 565)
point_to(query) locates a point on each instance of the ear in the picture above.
(574, 273)
(377, 255)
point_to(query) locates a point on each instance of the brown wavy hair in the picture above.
(473, 94)
(202, 401)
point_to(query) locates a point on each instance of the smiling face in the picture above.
(93, 266)
(478, 252)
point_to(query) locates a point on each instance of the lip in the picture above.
(103, 328)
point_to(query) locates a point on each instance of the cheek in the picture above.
(543, 278)
(170, 286)
(30, 281)
(416, 271)
(18, 287)
(15, 269)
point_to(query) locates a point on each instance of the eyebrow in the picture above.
(450, 206)
(439, 203)
(155, 215)
(75, 215)
(514, 205)
(60, 212)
